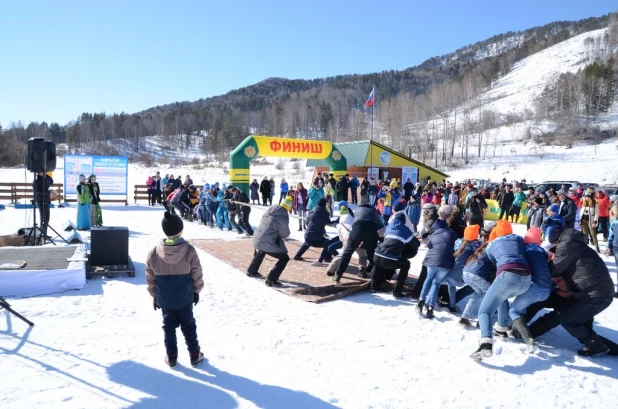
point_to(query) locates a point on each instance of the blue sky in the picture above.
(61, 58)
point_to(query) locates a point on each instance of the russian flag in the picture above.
(371, 99)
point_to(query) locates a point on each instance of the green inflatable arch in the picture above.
(255, 145)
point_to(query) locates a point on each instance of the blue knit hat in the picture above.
(399, 206)
(344, 204)
(554, 208)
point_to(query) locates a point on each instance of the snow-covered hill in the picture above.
(516, 91)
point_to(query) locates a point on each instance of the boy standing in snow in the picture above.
(174, 278)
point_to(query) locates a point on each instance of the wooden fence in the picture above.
(13, 192)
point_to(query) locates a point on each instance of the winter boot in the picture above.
(362, 272)
(196, 357)
(419, 307)
(524, 331)
(500, 331)
(594, 346)
(429, 312)
(253, 275)
(271, 283)
(337, 278)
(171, 359)
(398, 294)
(464, 322)
(485, 349)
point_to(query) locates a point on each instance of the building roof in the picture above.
(357, 154)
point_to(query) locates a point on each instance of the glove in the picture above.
(196, 298)
(154, 303)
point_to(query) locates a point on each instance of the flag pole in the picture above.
(371, 140)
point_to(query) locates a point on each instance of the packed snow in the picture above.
(102, 347)
(517, 90)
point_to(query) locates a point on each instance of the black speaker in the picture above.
(36, 155)
(50, 158)
(109, 246)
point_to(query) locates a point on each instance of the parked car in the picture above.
(544, 186)
(611, 190)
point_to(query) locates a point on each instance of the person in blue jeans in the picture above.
(439, 261)
(477, 274)
(464, 248)
(222, 216)
(174, 280)
(539, 289)
(612, 240)
(284, 190)
(506, 251)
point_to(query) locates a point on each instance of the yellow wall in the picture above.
(375, 155)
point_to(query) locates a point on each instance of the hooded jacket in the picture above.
(440, 245)
(173, 274)
(535, 215)
(365, 214)
(317, 219)
(568, 212)
(274, 227)
(584, 272)
(398, 234)
(507, 253)
(481, 267)
(456, 272)
(313, 196)
(539, 267)
(413, 211)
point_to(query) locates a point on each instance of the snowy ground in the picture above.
(102, 347)
(516, 160)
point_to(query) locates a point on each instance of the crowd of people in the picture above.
(553, 266)
(485, 263)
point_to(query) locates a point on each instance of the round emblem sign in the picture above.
(385, 158)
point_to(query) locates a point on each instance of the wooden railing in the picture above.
(13, 192)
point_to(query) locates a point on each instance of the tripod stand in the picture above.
(32, 234)
(7, 306)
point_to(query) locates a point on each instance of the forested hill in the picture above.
(326, 108)
(485, 58)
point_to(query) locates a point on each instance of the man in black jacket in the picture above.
(342, 189)
(41, 185)
(317, 220)
(408, 187)
(243, 210)
(233, 209)
(265, 191)
(476, 205)
(367, 222)
(589, 291)
(505, 199)
(568, 210)
(333, 182)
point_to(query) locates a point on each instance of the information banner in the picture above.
(493, 211)
(111, 172)
(373, 173)
(409, 172)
